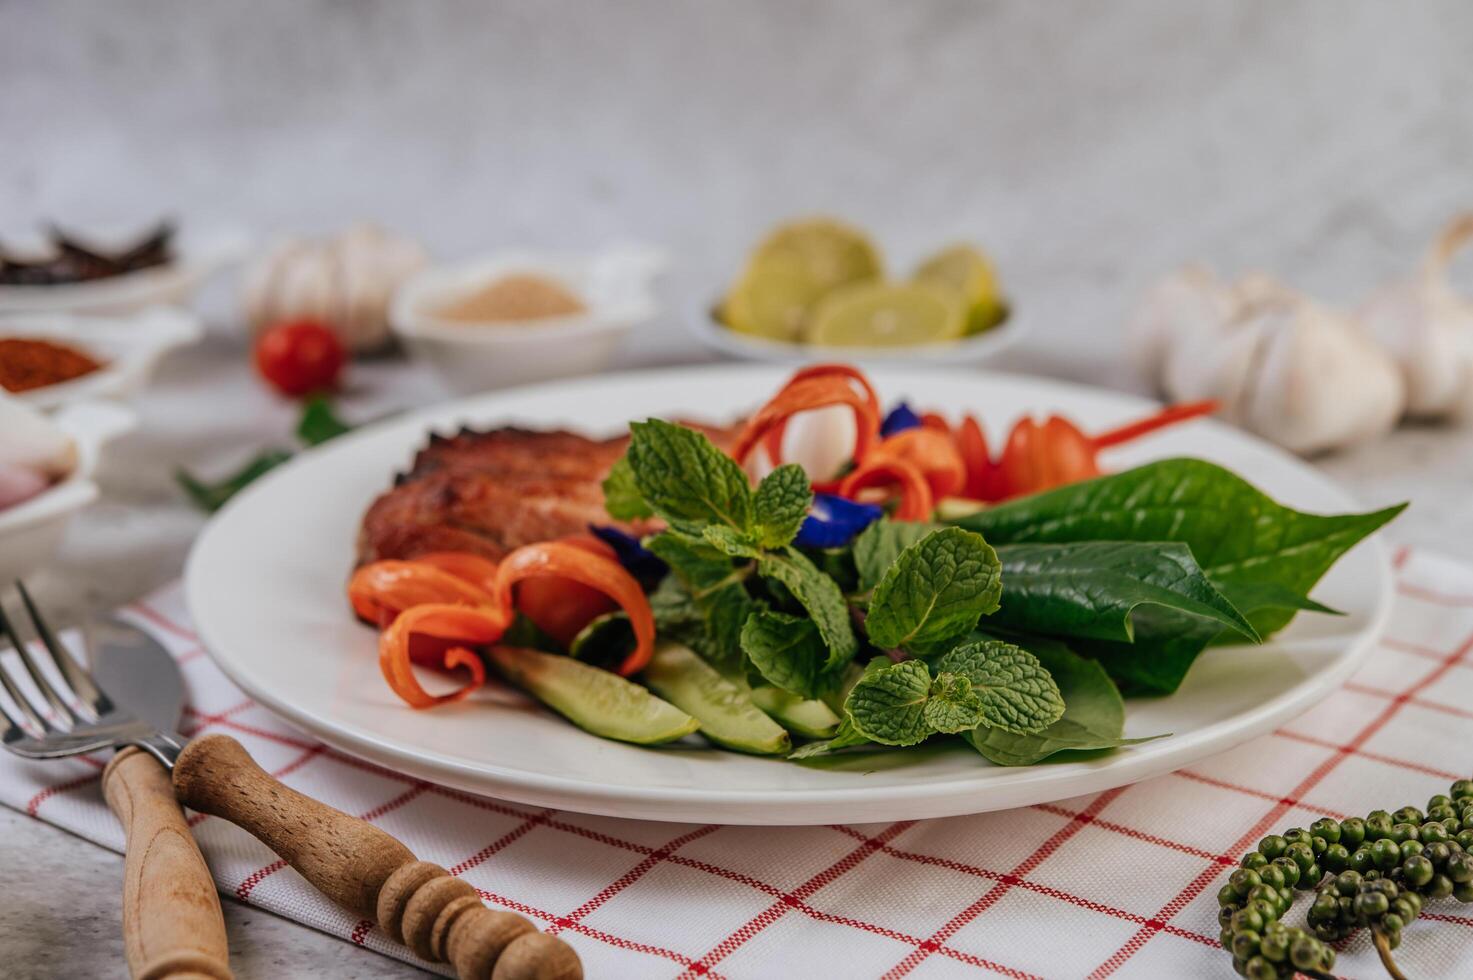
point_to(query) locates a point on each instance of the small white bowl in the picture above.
(969, 350)
(616, 286)
(173, 283)
(129, 348)
(31, 531)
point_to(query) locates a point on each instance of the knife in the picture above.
(355, 864)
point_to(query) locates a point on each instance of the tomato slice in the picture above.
(571, 561)
(558, 605)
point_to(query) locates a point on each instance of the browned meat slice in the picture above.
(490, 492)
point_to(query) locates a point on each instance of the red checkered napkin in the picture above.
(1122, 883)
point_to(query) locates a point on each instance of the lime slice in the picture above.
(876, 314)
(966, 271)
(830, 253)
(770, 301)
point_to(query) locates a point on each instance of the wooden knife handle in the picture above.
(368, 872)
(172, 926)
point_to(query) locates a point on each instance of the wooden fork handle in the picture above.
(172, 926)
(365, 870)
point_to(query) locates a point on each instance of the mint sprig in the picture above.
(935, 591)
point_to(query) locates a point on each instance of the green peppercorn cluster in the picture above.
(1374, 873)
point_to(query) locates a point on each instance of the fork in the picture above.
(173, 928)
(355, 864)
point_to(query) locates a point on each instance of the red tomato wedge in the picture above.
(571, 561)
(560, 606)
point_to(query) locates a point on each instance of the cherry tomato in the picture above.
(559, 606)
(300, 357)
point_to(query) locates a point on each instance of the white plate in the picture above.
(265, 584)
(968, 350)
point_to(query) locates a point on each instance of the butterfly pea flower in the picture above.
(901, 417)
(833, 522)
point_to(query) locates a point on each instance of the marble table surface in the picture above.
(136, 538)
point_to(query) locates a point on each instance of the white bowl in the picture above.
(969, 350)
(129, 348)
(171, 284)
(31, 531)
(616, 286)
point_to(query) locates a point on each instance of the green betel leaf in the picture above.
(1238, 534)
(953, 706)
(819, 595)
(1016, 691)
(935, 591)
(1251, 597)
(1093, 588)
(780, 504)
(730, 541)
(877, 547)
(888, 705)
(1093, 718)
(687, 480)
(787, 651)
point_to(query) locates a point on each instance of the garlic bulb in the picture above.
(1428, 329)
(345, 281)
(1280, 364)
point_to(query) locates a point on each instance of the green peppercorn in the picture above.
(1248, 919)
(1438, 853)
(1326, 829)
(1268, 909)
(1459, 868)
(1415, 901)
(1433, 832)
(1347, 882)
(1243, 881)
(1306, 953)
(1298, 835)
(1272, 874)
(1253, 860)
(1462, 789)
(1408, 814)
(1404, 908)
(1272, 846)
(1410, 847)
(1225, 916)
(1464, 892)
(1386, 854)
(1266, 894)
(1378, 824)
(1417, 871)
(1240, 967)
(1368, 905)
(1301, 854)
(1225, 938)
(1352, 832)
(1274, 946)
(1259, 968)
(1465, 837)
(1441, 886)
(1361, 859)
(1228, 897)
(1312, 876)
(1441, 813)
(1404, 832)
(1335, 859)
(1245, 943)
(1324, 908)
(1441, 799)
(1289, 870)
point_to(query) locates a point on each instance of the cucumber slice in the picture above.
(811, 719)
(595, 700)
(726, 715)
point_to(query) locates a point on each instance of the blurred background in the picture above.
(1090, 149)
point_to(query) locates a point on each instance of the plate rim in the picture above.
(941, 798)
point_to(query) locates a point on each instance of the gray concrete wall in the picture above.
(1089, 145)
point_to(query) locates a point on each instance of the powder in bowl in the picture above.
(27, 364)
(519, 296)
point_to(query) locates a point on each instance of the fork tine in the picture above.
(58, 704)
(16, 728)
(76, 675)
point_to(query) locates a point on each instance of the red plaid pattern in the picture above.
(1118, 884)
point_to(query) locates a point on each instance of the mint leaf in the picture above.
(716, 602)
(1238, 534)
(622, 498)
(1016, 691)
(935, 591)
(686, 480)
(1094, 588)
(1093, 718)
(953, 706)
(730, 541)
(780, 504)
(819, 595)
(319, 422)
(888, 705)
(877, 547)
(786, 650)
